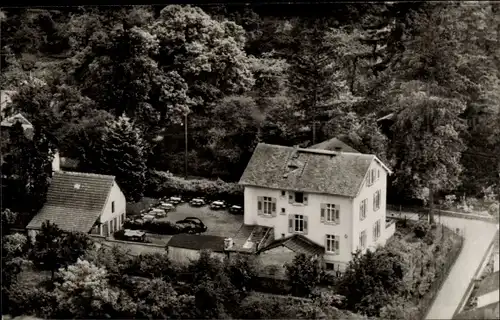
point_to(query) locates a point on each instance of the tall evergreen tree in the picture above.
(122, 154)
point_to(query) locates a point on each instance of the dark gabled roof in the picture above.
(308, 170)
(489, 284)
(197, 242)
(75, 200)
(298, 244)
(334, 144)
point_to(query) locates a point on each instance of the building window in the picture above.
(111, 226)
(373, 176)
(329, 266)
(330, 212)
(298, 224)
(362, 240)
(362, 209)
(266, 205)
(112, 207)
(332, 244)
(283, 193)
(376, 200)
(123, 218)
(116, 223)
(376, 230)
(299, 197)
(282, 210)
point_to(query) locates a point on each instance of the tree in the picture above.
(303, 274)
(371, 280)
(122, 154)
(209, 55)
(85, 292)
(157, 300)
(54, 248)
(8, 219)
(428, 145)
(205, 267)
(155, 265)
(242, 271)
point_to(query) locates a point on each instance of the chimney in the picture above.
(228, 243)
(56, 162)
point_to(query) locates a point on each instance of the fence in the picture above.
(428, 299)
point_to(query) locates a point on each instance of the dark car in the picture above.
(236, 209)
(192, 225)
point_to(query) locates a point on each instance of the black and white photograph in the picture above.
(259, 160)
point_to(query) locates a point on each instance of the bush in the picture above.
(421, 228)
(303, 274)
(158, 227)
(164, 183)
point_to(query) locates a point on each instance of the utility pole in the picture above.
(185, 145)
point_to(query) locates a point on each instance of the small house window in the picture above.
(329, 266)
(112, 207)
(283, 193)
(299, 197)
(362, 209)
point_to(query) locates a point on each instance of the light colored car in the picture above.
(175, 200)
(166, 206)
(148, 217)
(236, 209)
(217, 205)
(197, 202)
(158, 213)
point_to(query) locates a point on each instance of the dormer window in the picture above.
(299, 197)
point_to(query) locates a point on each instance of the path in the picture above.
(478, 236)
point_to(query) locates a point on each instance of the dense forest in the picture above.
(114, 87)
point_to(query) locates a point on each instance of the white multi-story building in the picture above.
(332, 200)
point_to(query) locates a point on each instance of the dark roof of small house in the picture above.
(320, 171)
(489, 284)
(197, 242)
(74, 200)
(489, 311)
(298, 244)
(334, 144)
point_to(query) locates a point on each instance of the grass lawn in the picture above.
(219, 223)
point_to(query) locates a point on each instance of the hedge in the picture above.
(161, 183)
(158, 227)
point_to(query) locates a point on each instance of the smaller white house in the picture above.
(184, 248)
(82, 202)
(488, 291)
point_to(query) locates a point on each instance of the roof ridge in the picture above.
(84, 174)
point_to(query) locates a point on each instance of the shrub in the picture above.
(449, 201)
(421, 228)
(303, 274)
(493, 209)
(158, 227)
(164, 183)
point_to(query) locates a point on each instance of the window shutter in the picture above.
(290, 223)
(305, 200)
(378, 173)
(326, 243)
(290, 197)
(305, 224)
(337, 215)
(361, 210)
(375, 201)
(337, 240)
(273, 211)
(259, 205)
(322, 218)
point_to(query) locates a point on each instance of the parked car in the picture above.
(175, 200)
(192, 225)
(158, 213)
(236, 209)
(148, 217)
(166, 206)
(218, 204)
(197, 202)
(134, 235)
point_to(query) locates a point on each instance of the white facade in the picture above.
(346, 230)
(488, 298)
(113, 215)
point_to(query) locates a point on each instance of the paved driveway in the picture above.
(478, 236)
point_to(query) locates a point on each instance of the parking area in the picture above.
(219, 222)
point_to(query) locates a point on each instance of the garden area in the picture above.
(49, 279)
